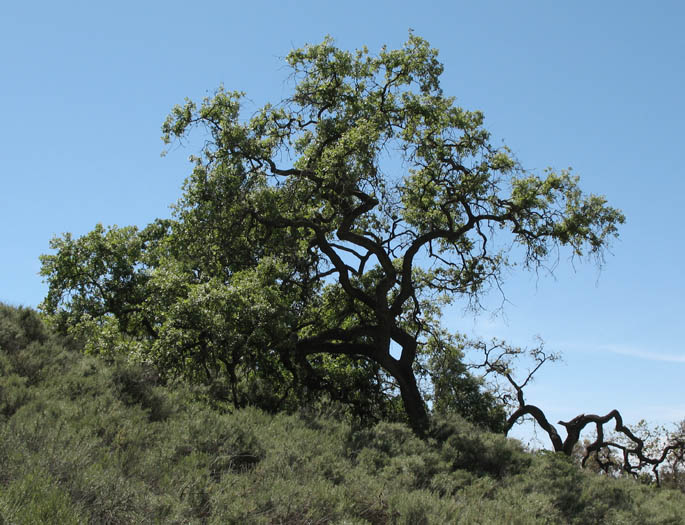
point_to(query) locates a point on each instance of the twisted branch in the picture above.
(497, 360)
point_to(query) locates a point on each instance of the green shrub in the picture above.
(36, 498)
(138, 384)
(467, 447)
(487, 502)
(19, 327)
(13, 394)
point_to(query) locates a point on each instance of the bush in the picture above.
(469, 448)
(36, 498)
(19, 327)
(137, 384)
(13, 394)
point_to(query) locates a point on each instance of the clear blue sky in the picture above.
(594, 85)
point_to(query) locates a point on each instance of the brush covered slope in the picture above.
(83, 440)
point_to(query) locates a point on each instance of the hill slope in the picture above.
(84, 441)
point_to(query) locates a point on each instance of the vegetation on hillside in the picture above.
(89, 440)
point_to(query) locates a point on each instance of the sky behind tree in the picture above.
(596, 86)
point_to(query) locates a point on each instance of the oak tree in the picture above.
(317, 238)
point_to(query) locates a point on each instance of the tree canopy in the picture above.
(317, 240)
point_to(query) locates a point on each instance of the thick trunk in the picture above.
(413, 401)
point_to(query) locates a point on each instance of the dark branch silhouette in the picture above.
(497, 359)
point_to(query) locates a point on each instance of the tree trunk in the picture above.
(413, 401)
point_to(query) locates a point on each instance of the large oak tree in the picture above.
(317, 238)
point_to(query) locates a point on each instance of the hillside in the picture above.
(88, 441)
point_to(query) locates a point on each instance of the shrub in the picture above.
(467, 447)
(36, 498)
(13, 394)
(138, 384)
(19, 327)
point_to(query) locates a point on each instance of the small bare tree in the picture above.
(620, 449)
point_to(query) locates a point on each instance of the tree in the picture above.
(315, 239)
(630, 451)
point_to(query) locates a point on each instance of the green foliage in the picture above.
(84, 447)
(455, 390)
(13, 393)
(139, 386)
(36, 498)
(468, 448)
(18, 328)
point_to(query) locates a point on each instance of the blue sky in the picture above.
(597, 86)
